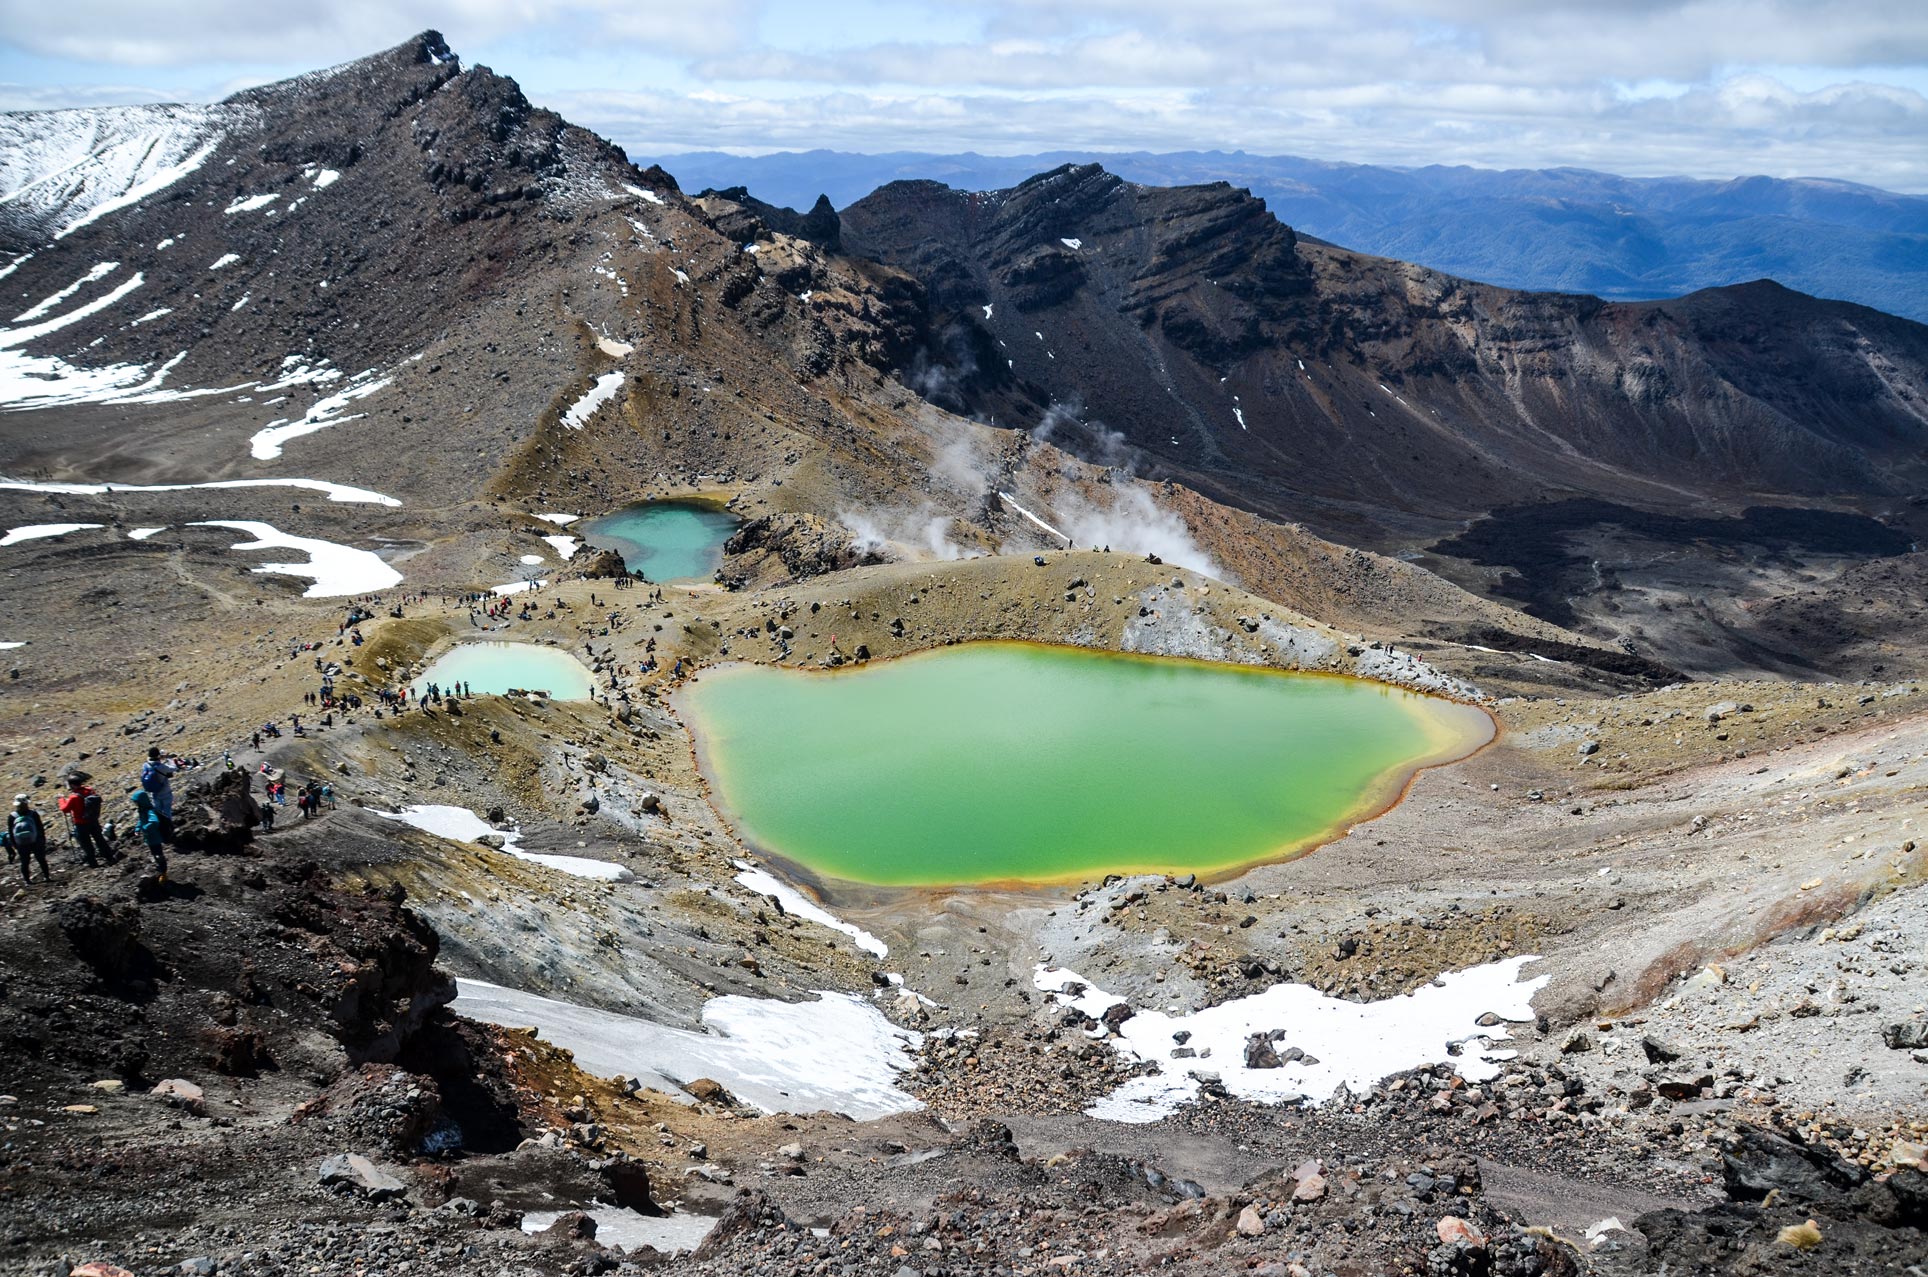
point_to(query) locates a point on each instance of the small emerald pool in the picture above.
(496, 669)
(1017, 762)
(665, 540)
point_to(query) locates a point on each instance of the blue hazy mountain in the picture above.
(1563, 229)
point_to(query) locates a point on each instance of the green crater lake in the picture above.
(1016, 762)
(665, 540)
(495, 669)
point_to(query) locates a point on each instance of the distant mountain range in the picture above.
(1564, 229)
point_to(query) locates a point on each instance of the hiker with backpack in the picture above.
(26, 838)
(147, 823)
(157, 779)
(81, 805)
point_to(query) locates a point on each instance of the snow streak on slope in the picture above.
(599, 394)
(265, 444)
(459, 824)
(336, 570)
(763, 882)
(60, 170)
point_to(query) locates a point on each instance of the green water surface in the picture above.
(665, 540)
(994, 762)
(493, 669)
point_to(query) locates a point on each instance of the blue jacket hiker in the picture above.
(147, 823)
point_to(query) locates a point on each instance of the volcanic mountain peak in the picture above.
(63, 170)
(311, 219)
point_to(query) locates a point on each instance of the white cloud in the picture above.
(187, 32)
(1709, 87)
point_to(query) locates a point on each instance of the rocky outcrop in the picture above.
(384, 984)
(599, 563)
(107, 938)
(792, 547)
(219, 815)
(742, 216)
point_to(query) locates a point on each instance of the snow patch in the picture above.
(249, 203)
(764, 883)
(38, 531)
(153, 182)
(225, 259)
(643, 194)
(1072, 243)
(1013, 501)
(837, 1053)
(297, 371)
(326, 178)
(531, 560)
(564, 546)
(141, 534)
(599, 394)
(11, 337)
(76, 166)
(560, 520)
(1355, 1044)
(334, 491)
(987, 309)
(265, 443)
(335, 569)
(675, 1233)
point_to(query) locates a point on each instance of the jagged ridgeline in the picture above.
(1369, 396)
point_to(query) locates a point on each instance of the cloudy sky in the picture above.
(1834, 88)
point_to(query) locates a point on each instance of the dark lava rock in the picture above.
(628, 1182)
(1761, 1162)
(1905, 1036)
(219, 815)
(107, 938)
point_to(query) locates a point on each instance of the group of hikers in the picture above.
(26, 836)
(484, 610)
(309, 798)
